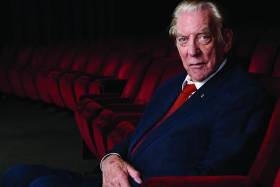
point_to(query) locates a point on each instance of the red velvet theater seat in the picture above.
(261, 174)
(104, 122)
(126, 64)
(264, 55)
(51, 61)
(66, 79)
(197, 181)
(126, 122)
(29, 74)
(246, 38)
(90, 105)
(117, 121)
(116, 65)
(277, 180)
(109, 68)
(64, 65)
(129, 64)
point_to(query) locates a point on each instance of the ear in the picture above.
(227, 36)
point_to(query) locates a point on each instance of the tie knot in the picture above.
(189, 89)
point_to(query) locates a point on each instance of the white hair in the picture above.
(189, 6)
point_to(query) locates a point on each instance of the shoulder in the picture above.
(237, 82)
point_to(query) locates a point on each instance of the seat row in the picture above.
(60, 74)
(108, 84)
(76, 76)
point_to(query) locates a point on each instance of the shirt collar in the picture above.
(199, 84)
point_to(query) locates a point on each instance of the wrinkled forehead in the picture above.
(192, 22)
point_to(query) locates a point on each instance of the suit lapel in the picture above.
(156, 110)
(197, 100)
(164, 128)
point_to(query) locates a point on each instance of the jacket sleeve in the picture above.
(121, 148)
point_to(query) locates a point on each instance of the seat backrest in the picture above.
(277, 179)
(135, 77)
(66, 59)
(127, 64)
(267, 162)
(80, 59)
(264, 55)
(150, 82)
(245, 40)
(95, 60)
(111, 64)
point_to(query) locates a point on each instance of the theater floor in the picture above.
(36, 133)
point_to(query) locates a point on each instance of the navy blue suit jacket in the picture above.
(216, 132)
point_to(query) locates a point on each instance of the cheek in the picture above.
(210, 56)
(208, 53)
(182, 53)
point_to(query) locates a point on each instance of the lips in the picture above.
(197, 65)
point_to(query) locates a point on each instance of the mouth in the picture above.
(197, 65)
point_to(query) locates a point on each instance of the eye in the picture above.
(204, 38)
(182, 40)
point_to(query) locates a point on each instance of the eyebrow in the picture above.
(204, 30)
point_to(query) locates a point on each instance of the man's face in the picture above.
(197, 44)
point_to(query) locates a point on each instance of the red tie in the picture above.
(183, 97)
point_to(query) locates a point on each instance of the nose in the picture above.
(193, 48)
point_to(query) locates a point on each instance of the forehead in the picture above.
(194, 22)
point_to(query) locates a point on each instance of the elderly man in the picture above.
(208, 121)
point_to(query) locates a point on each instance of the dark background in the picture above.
(52, 21)
(84, 21)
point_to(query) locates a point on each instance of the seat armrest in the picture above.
(197, 181)
(103, 101)
(132, 117)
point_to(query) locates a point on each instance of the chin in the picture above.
(199, 75)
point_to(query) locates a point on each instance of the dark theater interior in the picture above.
(59, 59)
